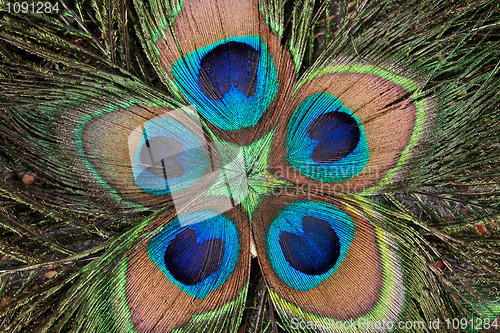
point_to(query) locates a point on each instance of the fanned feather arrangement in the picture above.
(250, 166)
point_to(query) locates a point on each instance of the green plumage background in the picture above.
(60, 241)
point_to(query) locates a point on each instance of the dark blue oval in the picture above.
(316, 251)
(230, 64)
(190, 262)
(338, 134)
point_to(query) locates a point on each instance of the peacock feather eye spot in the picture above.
(316, 251)
(231, 82)
(191, 262)
(307, 242)
(169, 153)
(338, 135)
(233, 64)
(325, 140)
(163, 158)
(197, 258)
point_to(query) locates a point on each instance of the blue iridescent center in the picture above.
(204, 258)
(313, 252)
(231, 83)
(198, 257)
(168, 147)
(325, 140)
(337, 133)
(233, 64)
(307, 242)
(157, 161)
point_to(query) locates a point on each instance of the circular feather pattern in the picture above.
(348, 128)
(199, 257)
(325, 261)
(234, 69)
(230, 82)
(141, 152)
(169, 156)
(307, 242)
(187, 271)
(325, 140)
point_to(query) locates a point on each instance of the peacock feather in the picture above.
(250, 166)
